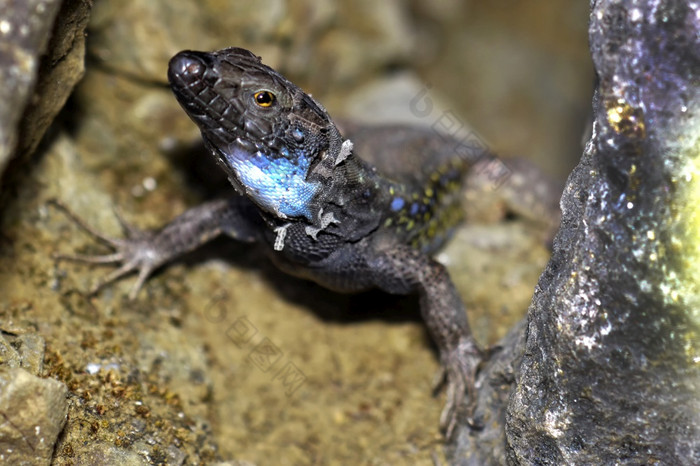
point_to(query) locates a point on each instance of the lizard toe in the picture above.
(460, 367)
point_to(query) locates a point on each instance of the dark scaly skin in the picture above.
(349, 218)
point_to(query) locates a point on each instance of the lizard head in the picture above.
(264, 131)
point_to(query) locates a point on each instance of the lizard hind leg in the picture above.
(404, 270)
(460, 366)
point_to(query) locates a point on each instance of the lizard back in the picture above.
(426, 178)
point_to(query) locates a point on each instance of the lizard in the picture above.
(350, 213)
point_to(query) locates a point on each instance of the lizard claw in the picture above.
(133, 252)
(458, 373)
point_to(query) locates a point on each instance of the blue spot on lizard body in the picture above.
(397, 204)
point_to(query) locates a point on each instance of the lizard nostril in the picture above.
(193, 68)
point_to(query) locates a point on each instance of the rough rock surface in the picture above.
(61, 68)
(32, 414)
(42, 48)
(611, 370)
(25, 350)
(24, 32)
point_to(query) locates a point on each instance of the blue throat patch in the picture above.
(276, 184)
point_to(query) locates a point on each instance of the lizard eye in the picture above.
(264, 98)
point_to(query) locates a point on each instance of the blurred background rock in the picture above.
(517, 71)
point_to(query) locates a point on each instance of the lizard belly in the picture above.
(342, 269)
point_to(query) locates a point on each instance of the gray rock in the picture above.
(31, 348)
(103, 453)
(62, 66)
(9, 357)
(32, 414)
(607, 369)
(42, 49)
(24, 33)
(25, 351)
(611, 371)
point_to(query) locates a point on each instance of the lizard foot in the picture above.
(134, 252)
(459, 368)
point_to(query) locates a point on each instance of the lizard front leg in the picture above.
(144, 251)
(404, 270)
